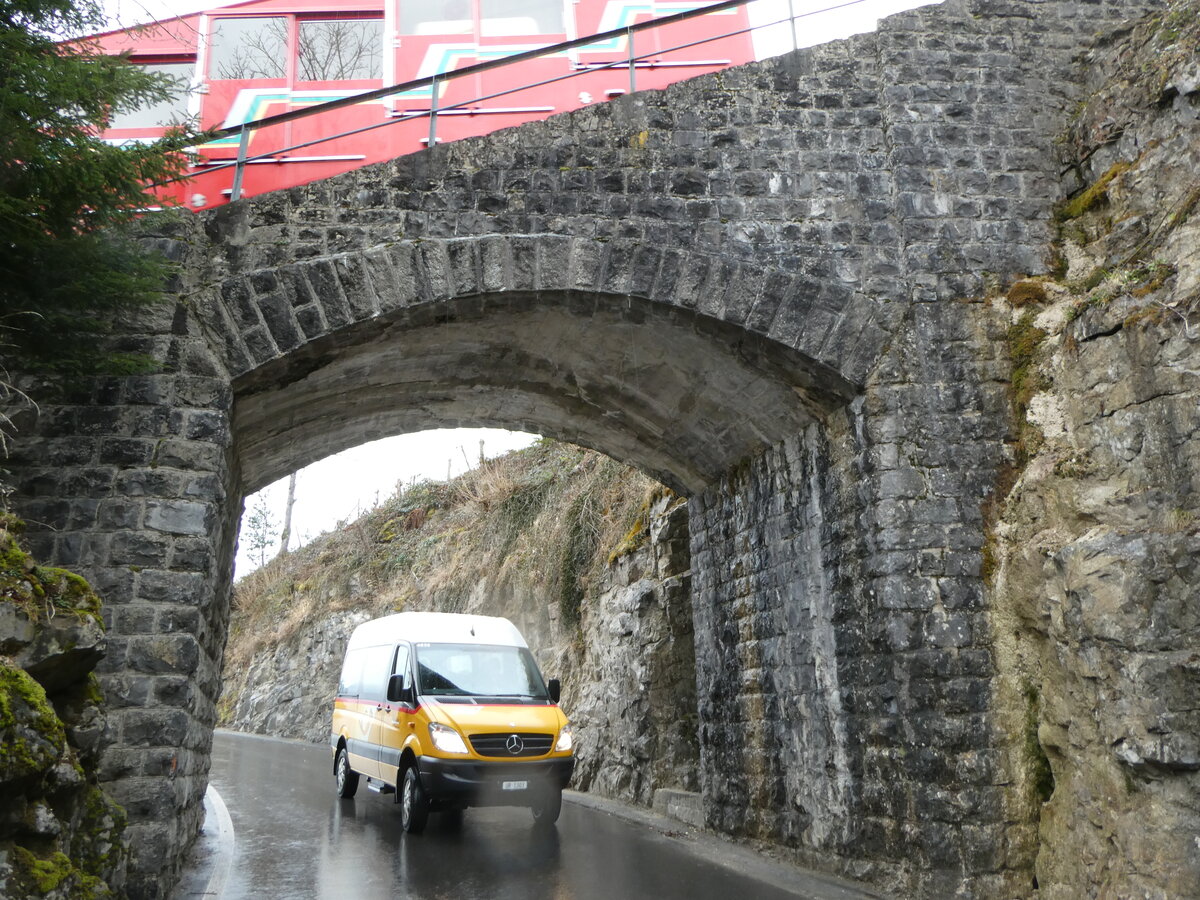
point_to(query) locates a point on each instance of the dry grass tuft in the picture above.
(1026, 292)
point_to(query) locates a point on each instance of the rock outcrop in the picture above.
(60, 835)
(633, 689)
(1097, 548)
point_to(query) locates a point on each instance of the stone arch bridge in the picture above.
(752, 286)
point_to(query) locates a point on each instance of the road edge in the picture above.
(225, 840)
(210, 861)
(726, 852)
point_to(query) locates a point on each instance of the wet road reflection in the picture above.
(295, 839)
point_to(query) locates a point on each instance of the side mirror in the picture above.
(397, 692)
(554, 688)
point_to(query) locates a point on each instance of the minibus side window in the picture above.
(401, 666)
(350, 682)
(376, 669)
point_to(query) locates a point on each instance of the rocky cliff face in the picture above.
(60, 835)
(1096, 549)
(633, 686)
(589, 559)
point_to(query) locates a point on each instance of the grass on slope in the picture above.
(552, 513)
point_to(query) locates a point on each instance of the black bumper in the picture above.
(470, 782)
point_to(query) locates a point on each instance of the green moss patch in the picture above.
(41, 876)
(41, 591)
(32, 737)
(1095, 194)
(97, 846)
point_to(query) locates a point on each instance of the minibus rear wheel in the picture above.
(347, 778)
(414, 805)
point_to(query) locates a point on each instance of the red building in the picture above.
(247, 62)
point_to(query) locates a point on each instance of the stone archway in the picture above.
(273, 369)
(652, 387)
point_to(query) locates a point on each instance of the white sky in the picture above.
(343, 486)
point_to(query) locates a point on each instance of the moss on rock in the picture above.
(62, 836)
(1024, 340)
(41, 591)
(1095, 194)
(41, 876)
(31, 736)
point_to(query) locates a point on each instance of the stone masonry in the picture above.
(753, 286)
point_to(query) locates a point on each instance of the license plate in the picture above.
(514, 785)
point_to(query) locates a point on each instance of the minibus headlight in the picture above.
(446, 739)
(565, 740)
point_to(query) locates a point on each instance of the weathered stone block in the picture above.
(179, 516)
(163, 654)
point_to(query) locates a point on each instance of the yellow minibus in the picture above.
(447, 711)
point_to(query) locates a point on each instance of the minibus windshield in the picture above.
(478, 670)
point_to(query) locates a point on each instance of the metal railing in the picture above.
(632, 61)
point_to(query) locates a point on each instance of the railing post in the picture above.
(632, 56)
(240, 169)
(433, 107)
(792, 19)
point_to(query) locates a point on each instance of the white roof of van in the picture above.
(437, 628)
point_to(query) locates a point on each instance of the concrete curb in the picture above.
(225, 841)
(686, 806)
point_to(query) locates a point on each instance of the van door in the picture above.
(353, 717)
(395, 723)
(376, 669)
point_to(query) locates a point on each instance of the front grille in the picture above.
(503, 744)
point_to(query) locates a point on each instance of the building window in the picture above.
(497, 18)
(436, 17)
(339, 49)
(501, 18)
(249, 48)
(165, 112)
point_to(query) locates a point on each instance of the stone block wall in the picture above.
(844, 656)
(768, 593)
(128, 480)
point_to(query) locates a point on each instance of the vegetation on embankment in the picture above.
(551, 514)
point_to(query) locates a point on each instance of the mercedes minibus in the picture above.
(449, 711)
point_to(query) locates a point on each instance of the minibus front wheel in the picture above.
(547, 807)
(347, 778)
(414, 804)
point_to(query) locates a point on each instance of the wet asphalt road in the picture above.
(294, 839)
